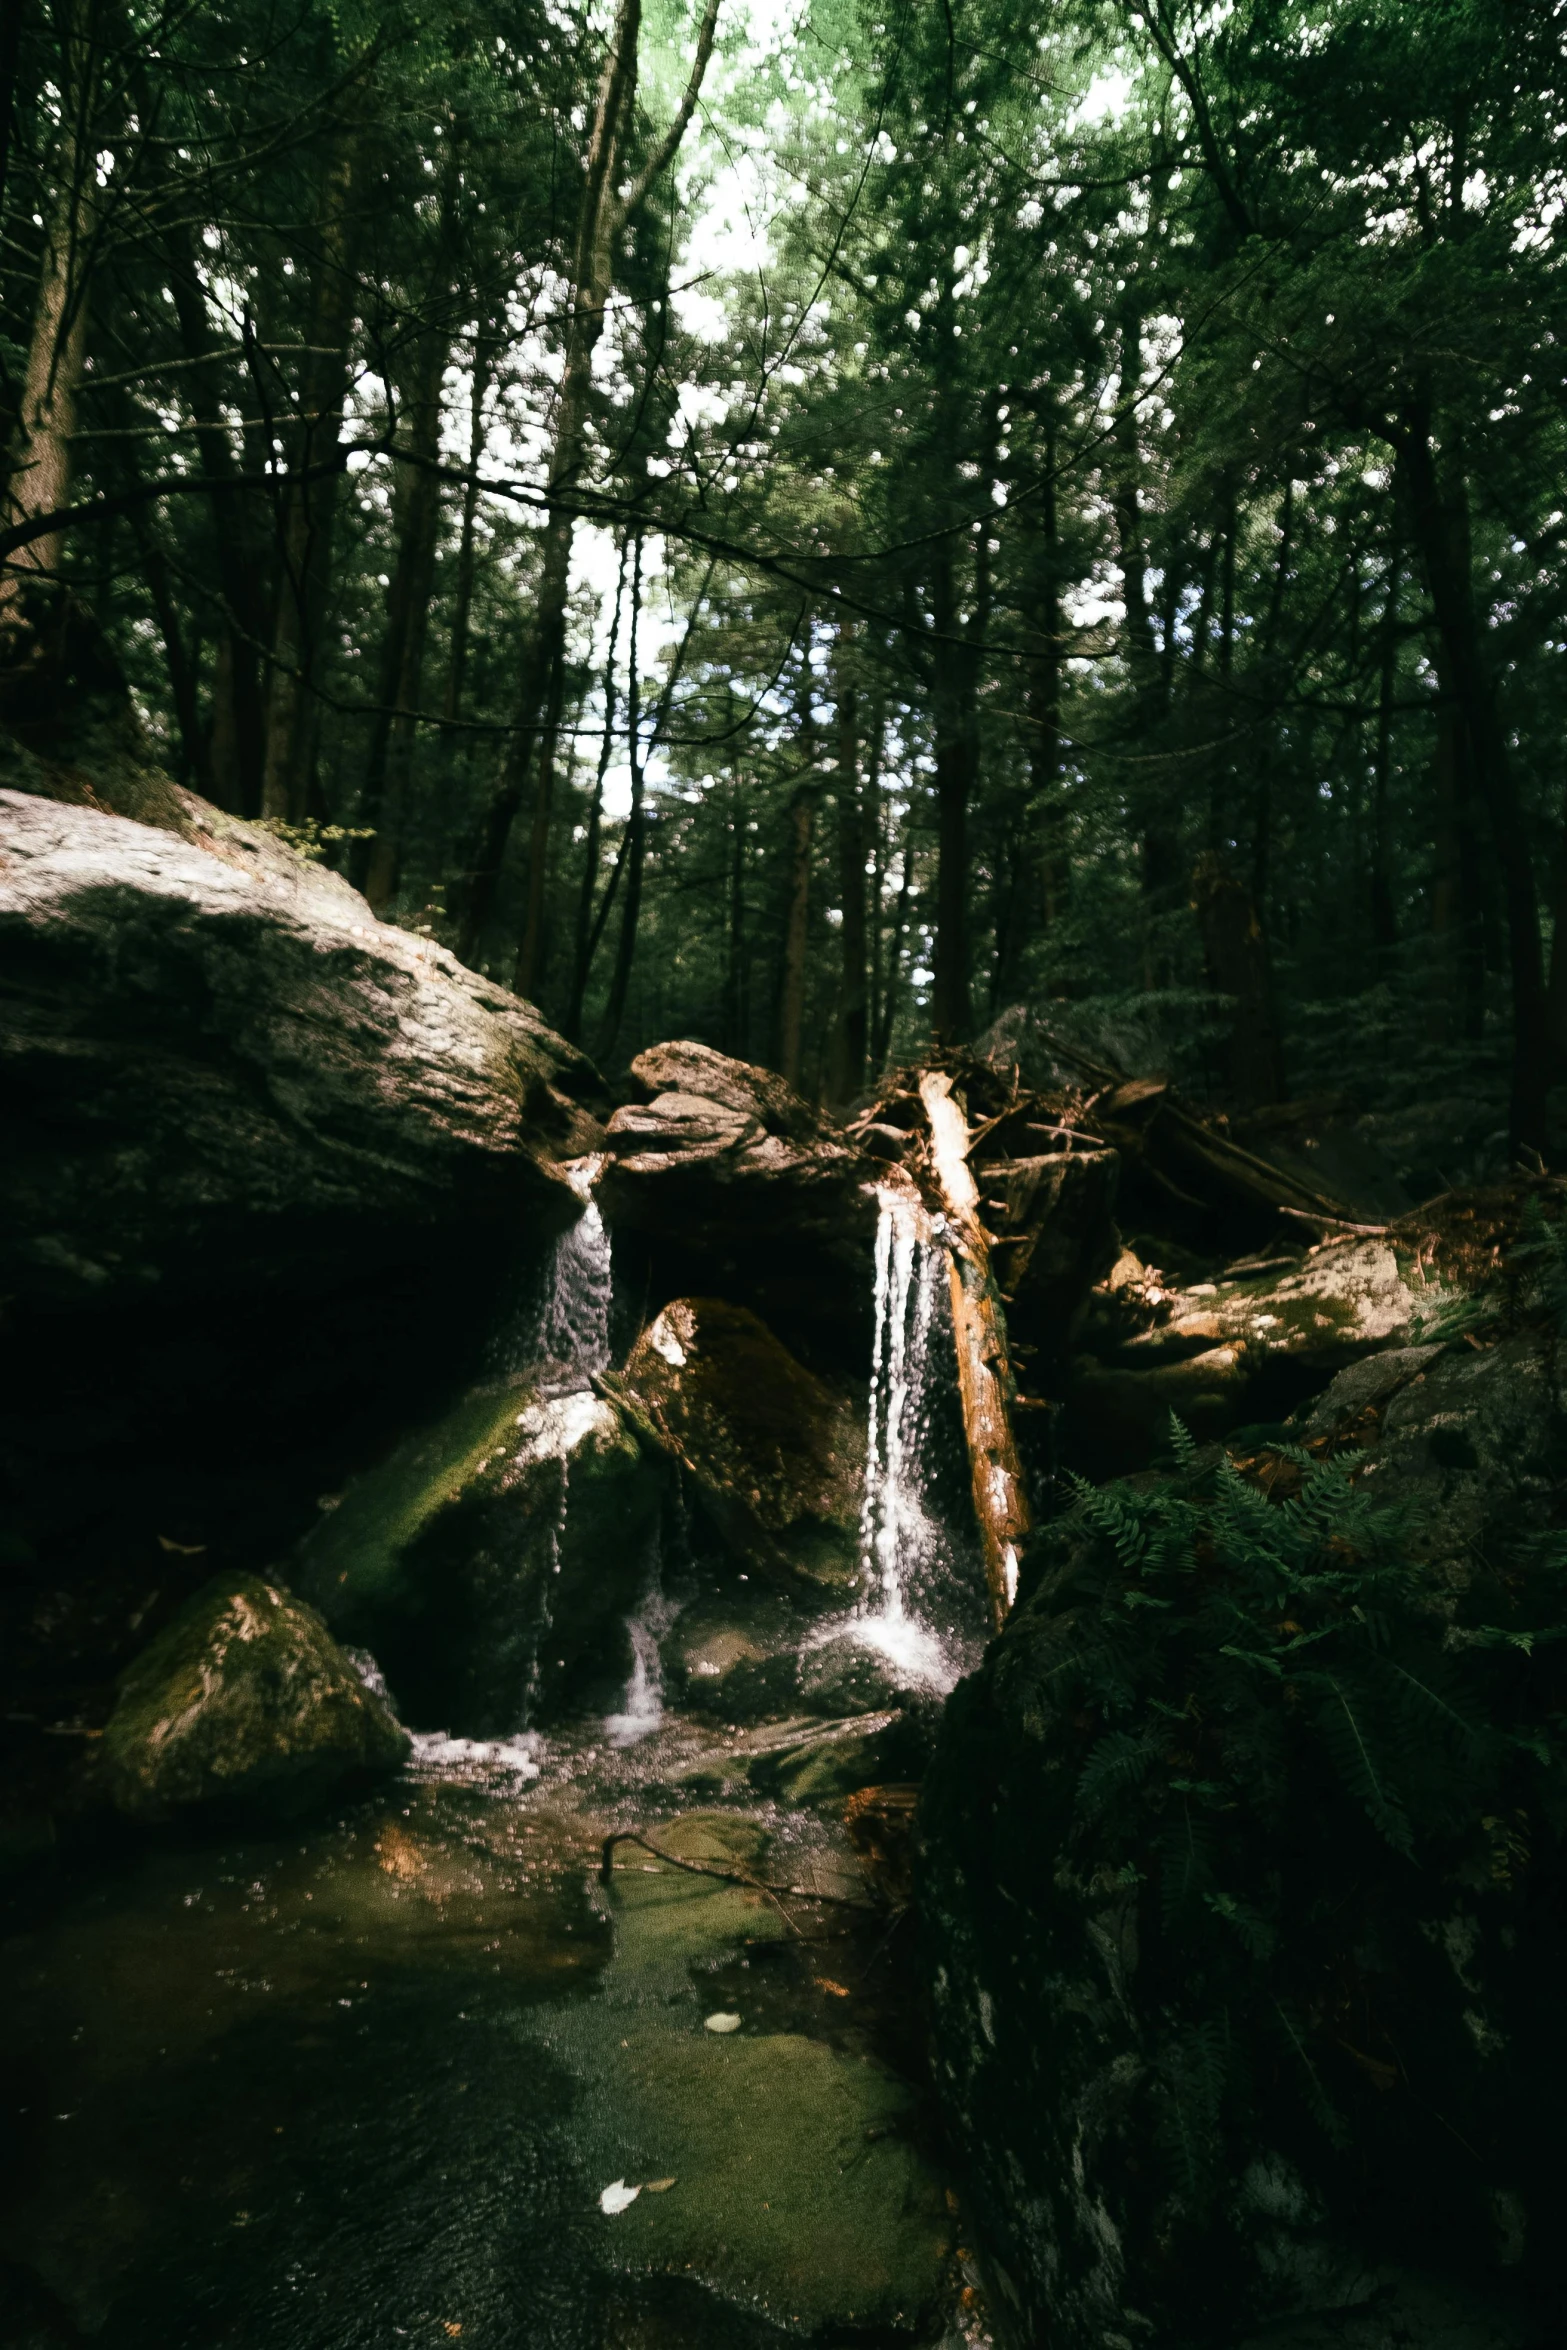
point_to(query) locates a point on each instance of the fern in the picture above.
(1255, 1697)
(1183, 1445)
(1122, 1758)
(1348, 1732)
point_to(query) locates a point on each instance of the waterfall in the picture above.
(642, 1709)
(572, 1338)
(561, 1330)
(903, 1546)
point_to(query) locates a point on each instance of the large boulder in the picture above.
(244, 1705)
(489, 1564)
(776, 1457)
(208, 1042)
(1243, 1875)
(737, 1183)
(265, 1164)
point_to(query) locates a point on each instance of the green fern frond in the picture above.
(1345, 1721)
(1323, 2111)
(1120, 1759)
(1257, 1935)
(1185, 1864)
(1183, 1445)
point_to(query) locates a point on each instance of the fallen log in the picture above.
(986, 1386)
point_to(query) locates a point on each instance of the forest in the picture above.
(783, 1174)
(807, 532)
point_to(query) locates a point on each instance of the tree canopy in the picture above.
(807, 530)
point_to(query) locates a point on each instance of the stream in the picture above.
(415, 2072)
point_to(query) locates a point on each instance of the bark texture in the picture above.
(979, 1329)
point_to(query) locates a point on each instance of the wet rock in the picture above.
(210, 1045)
(244, 1704)
(735, 1657)
(489, 1564)
(844, 1674)
(879, 1820)
(775, 1456)
(837, 1759)
(264, 1164)
(737, 1183)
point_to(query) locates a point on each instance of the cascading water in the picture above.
(561, 1331)
(904, 1548)
(572, 1337)
(642, 1708)
(566, 1342)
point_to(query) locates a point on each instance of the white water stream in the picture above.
(904, 1549)
(571, 1340)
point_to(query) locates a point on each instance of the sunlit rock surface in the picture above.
(493, 1556)
(1244, 1345)
(244, 1704)
(775, 1455)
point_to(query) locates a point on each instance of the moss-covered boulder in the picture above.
(489, 1563)
(777, 1458)
(244, 1704)
(1244, 1870)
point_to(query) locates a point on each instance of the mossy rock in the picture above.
(244, 1704)
(489, 1563)
(776, 1456)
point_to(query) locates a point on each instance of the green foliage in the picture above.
(1277, 1729)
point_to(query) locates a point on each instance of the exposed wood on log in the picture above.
(985, 1382)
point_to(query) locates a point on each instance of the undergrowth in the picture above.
(1294, 1749)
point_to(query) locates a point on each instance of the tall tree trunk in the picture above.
(849, 1028)
(486, 350)
(875, 827)
(1458, 1001)
(191, 767)
(887, 1025)
(309, 508)
(1052, 869)
(383, 804)
(954, 657)
(238, 710)
(799, 854)
(1439, 520)
(1236, 952)
(601, 219)
(586, 938)
(636, 833)
(40, 470)
(736, 1008)
(791, 993)
(1384, 922)
(1156, 822)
